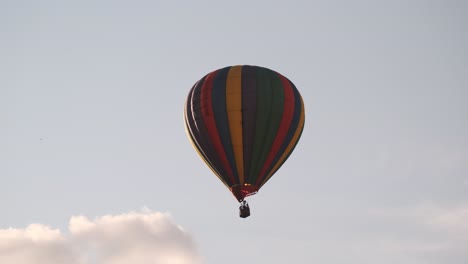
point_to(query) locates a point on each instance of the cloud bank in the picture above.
(137, 237)
(423, 234)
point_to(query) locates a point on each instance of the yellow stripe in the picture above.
(234, 114)
(290, 146)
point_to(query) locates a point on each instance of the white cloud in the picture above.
(35, 244)
(448, 220)
(137, 237)
(422, 234)
(454, 221)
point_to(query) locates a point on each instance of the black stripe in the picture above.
(201, 135)
(192, 128)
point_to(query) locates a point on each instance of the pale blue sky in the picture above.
(91, 107)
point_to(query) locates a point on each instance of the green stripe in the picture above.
(270, 105)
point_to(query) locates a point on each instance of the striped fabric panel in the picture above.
(198, 135)
(286, 119)
(234, 116)
(270, 104)
(292, 139)
(218, 103)
(244, 121)
(209, 121)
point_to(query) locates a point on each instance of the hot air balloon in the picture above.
(244, 122)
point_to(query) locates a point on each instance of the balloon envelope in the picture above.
(244, 121)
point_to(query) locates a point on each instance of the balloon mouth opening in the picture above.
(240, 191)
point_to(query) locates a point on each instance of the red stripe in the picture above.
(210, 124)
(286, 119)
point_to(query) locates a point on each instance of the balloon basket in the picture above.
(244, 209)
